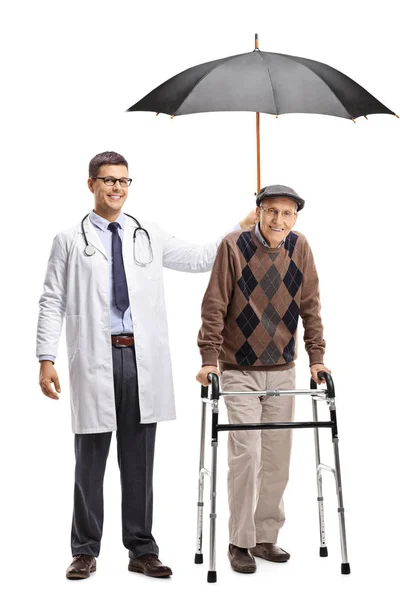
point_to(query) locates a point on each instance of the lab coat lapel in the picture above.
(93, 237)
(127, 243)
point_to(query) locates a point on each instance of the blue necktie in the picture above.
(120, 285)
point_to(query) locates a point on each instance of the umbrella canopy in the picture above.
(262, 82)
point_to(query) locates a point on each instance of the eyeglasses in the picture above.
(110, 181)
(273, 212)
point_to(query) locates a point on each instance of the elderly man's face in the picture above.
(277, 217)
(109, 200)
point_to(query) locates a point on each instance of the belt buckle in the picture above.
(116, 345)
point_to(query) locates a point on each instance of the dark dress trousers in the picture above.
(135, 446)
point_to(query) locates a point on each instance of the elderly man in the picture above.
(105, 276)
(262, 280)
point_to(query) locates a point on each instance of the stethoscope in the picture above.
(90, 250)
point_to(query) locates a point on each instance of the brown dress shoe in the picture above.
(149, 565)
(81, 567)
(271, 552)
(241, 559)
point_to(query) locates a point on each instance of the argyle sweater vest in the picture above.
(252, 304)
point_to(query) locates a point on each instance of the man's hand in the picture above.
(201, 376)
(47, 376)
(315, 369)
(250, 220)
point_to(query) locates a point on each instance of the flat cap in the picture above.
(275, 191)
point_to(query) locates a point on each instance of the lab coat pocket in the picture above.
(73, 333)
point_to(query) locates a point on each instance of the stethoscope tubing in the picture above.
(138, 228)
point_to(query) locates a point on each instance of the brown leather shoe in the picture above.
(241, 559)
(150, 565)
(270, 551)
(81, 567)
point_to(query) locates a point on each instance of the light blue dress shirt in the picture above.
(120, 322)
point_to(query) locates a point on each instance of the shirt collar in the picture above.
(102, 223)
(261, 238)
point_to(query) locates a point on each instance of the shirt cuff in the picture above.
(47, 357)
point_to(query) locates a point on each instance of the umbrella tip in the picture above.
(276, 116)
(256, 41)
(157, 114)
(365, 117)
(172, 116)
(353, 120)
(397, 116)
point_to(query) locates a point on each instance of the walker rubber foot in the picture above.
(345, 569)
(323, 551)
(198, 559)
(212, 576)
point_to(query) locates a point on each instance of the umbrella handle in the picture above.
(256, 46)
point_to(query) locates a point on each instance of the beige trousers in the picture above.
(258, 460)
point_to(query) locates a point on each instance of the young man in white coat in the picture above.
(105, 276)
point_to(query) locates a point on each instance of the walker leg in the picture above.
(323, 550)
(212, 573)
(198, 558)
(342, 526)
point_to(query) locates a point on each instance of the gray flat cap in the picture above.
(274, 191)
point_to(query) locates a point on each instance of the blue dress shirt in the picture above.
(120, 322)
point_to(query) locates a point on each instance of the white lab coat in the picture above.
(77, 286)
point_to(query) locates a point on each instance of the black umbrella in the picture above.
(262, 82)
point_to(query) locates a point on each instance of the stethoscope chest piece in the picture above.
(89, 250)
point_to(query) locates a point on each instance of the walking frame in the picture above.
(316, 394)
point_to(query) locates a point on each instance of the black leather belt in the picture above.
(122, 341)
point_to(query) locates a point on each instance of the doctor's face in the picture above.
(109, 199)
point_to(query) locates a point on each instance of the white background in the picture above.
(69, 71)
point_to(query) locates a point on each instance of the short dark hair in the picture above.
(105, 158)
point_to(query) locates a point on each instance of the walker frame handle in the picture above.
(327, 377)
